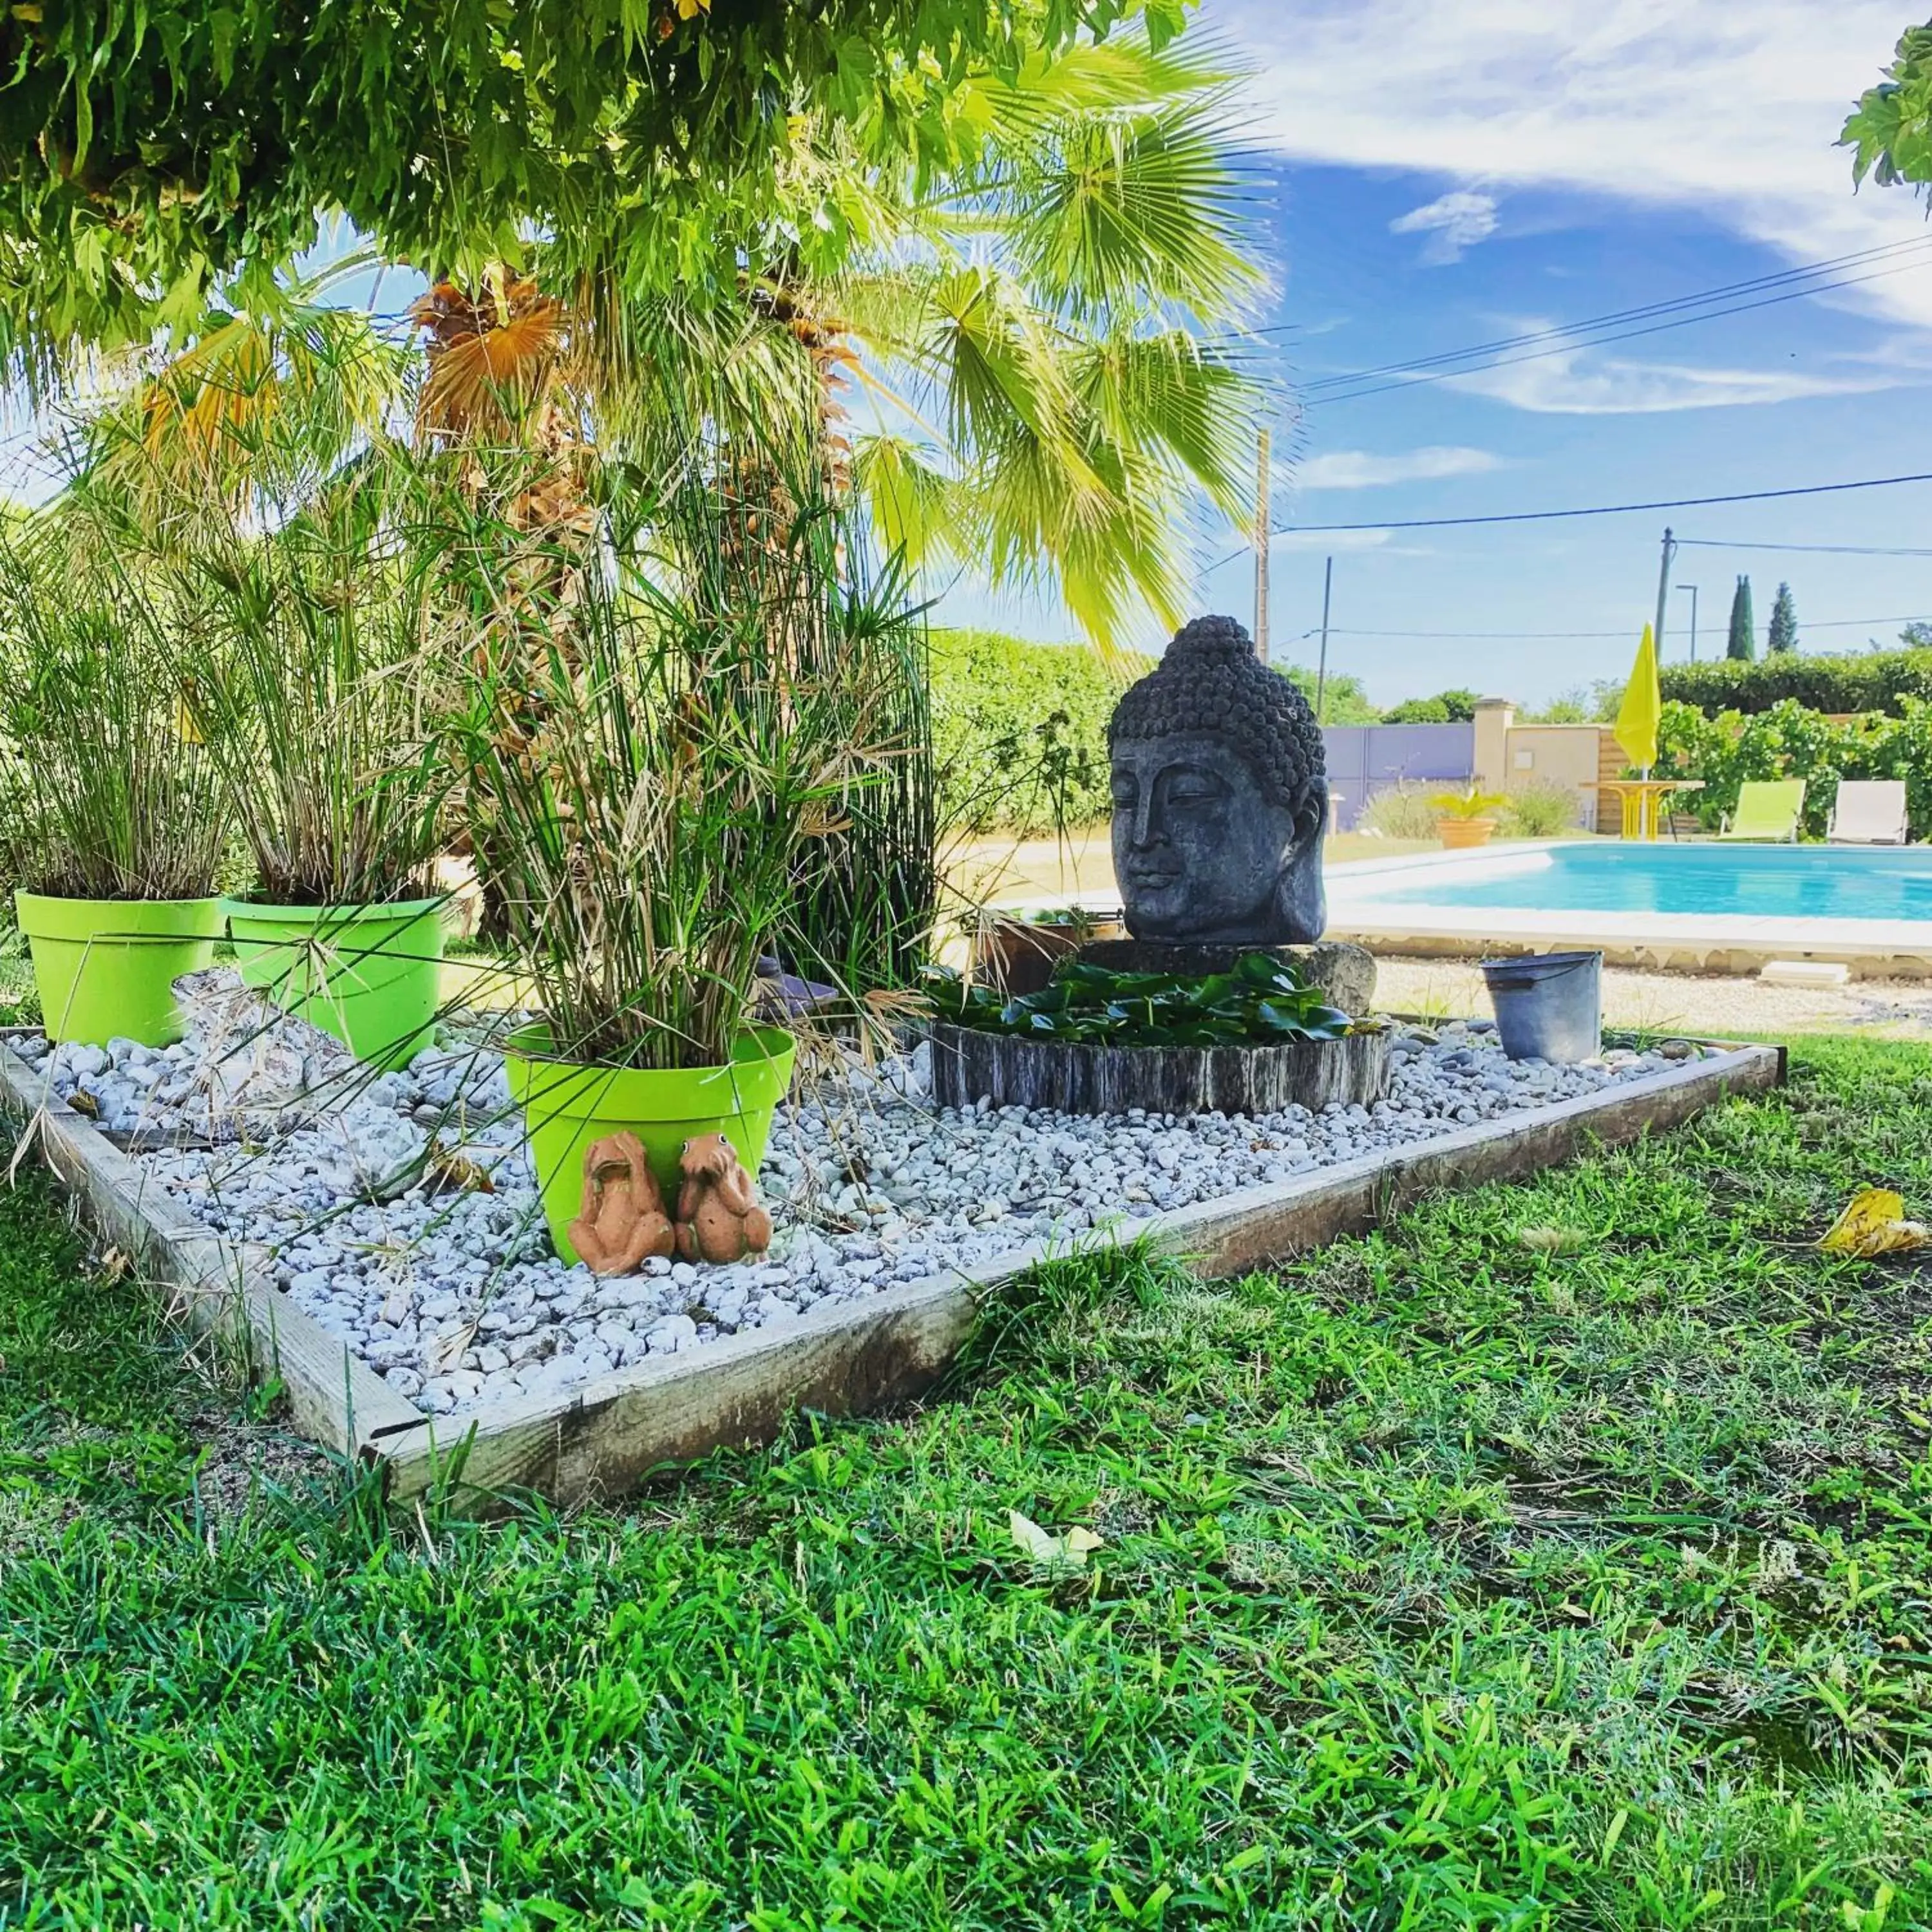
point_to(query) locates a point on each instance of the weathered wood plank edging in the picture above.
(602, 1439)
(335, 1399)
(608, 1436)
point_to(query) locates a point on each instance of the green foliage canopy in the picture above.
(1455, 706)
(147, 153)
(1890, 129)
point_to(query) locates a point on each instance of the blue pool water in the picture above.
(1756, 882)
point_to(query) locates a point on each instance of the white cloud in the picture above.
(1731, 111)
(1453, 222)
(1362, 469)
(1567, 385)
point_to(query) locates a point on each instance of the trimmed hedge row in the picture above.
(1876, 681)
(1790, 741)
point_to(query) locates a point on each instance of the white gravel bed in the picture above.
(457, 1299)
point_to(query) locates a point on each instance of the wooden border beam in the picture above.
(598, 1442)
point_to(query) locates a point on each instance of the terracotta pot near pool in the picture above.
(1464, 834)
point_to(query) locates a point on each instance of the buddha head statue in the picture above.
(1220, 797)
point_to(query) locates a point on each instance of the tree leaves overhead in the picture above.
(263, 405)
(1890, 130)
(1032, 312)
(148, 152)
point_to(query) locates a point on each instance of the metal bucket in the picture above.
(1549, 1006)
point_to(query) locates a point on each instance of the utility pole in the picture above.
(1663, 589)
(1321, 662)
(1263, 497)
(1693, 589)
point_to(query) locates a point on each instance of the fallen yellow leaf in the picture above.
(1551, 1240)
(1874, 1223)
(1052, 1552)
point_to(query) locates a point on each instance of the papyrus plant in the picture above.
(313, 667)
(105, 793)
(653, 764)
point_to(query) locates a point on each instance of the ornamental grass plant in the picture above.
(315, 670)
(104, 793)
(656, 760)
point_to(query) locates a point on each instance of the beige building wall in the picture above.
(1508, 755)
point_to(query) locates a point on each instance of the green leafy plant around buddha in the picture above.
(1261, 1002)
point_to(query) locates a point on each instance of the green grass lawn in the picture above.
(1446, 1581)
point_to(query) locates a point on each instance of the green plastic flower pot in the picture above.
(106, 968)
(568, 1105)
(368, 974)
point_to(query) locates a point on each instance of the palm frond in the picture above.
(913, 503)
(1181, 403)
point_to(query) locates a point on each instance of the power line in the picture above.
(1817, 550)
(1641, 313)
(1569, 345)
(1594, 510)
(1553, 637)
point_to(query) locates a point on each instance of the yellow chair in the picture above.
(1768, 810)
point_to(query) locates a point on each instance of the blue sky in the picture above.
(1426, 177)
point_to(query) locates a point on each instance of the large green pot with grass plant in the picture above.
(702, 726)
(371, 975)
(569, 1106)
(314, 683)
(110, 813)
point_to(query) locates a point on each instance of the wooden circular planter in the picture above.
(969, 1066)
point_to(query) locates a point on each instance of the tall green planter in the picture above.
(371, 975)
(568, 1106)
(106, 968)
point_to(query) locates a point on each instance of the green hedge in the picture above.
(1019, 728)
(1875, 681)
(1016, 725)
(1790, 741)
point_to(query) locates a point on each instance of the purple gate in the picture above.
(1365, 759)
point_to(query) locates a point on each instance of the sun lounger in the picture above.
(1869, 812)
(1769, 810)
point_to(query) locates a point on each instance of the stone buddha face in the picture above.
(1203, 854)
(1220, 797)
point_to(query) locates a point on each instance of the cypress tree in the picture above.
(1744, 628)
(1783, 634)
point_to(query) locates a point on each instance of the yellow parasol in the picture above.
(1643, 707)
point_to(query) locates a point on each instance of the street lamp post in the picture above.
(1693, 589)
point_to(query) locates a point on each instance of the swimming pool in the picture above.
(1756, 882)
(1721, 908)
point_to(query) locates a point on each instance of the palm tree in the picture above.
(1027, 329)
(274, 396)
(1046, 406)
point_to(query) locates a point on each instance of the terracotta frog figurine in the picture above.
(719, 1217)
(622, 1220)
